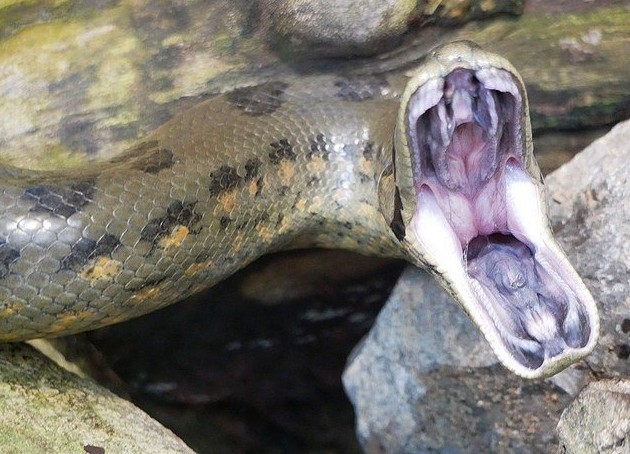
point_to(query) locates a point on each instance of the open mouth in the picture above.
(481, 219)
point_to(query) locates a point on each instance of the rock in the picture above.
(47, 409)
(423, 378)
(338, 27)
(598, 421)
(590, 210)
(105, 76)
(346, 28)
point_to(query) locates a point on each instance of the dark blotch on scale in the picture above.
(259, 100)
(253, 222)
(85, 249)
(282, 149)
(224, 179)
(227, 177)
(160, 159)
(252, 168)
(364, 178)
(368, 151)
(147, 157)
(224, 222)
(61, 201)
(8, 255)
(178, 213)
(318, 147)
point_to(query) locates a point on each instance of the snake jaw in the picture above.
(480, 222)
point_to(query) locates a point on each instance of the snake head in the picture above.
(472, 210)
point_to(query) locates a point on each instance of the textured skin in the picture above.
(283, 164)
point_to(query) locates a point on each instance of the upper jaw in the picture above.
(480, 221)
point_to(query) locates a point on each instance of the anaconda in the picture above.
(436, 167)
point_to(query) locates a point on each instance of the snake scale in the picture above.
(435, 167)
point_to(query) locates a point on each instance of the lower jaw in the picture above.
(527, 223)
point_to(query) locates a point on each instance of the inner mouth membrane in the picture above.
(479, 215)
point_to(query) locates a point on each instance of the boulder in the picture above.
(424, 379)
(598, 420)
(45, 408)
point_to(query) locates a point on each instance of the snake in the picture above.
(434, 165)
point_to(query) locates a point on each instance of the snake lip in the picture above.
(480, 219)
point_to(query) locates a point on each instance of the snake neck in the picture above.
(297, 165)
(351, 211)
(277, 166)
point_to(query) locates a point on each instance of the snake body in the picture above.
(318, 161)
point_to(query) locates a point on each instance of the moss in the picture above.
(539, 38)
(46, 409)
(94, 64)
(59, 157)
(573, 64)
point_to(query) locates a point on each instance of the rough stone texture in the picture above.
(339, 27)
(598, 421)
(590, 209)
(423, 369)
(45, 409)
(108, 73)
(425, 380)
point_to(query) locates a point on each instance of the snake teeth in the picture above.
(463, 130)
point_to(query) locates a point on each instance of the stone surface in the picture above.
(364, 27)
(45, 409)
(339, 27)
(401, 379)
(598, 421)
(590, 210)
(425, 379)
(108, 73)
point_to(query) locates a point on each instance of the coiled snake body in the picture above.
(438, 172)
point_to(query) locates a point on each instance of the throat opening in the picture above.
(482, 243)
(526, 301)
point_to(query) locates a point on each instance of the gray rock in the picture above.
(424, 380)
(598, 421)
(590, 212)
(338, 27)
(364, 27)
(45, 409)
